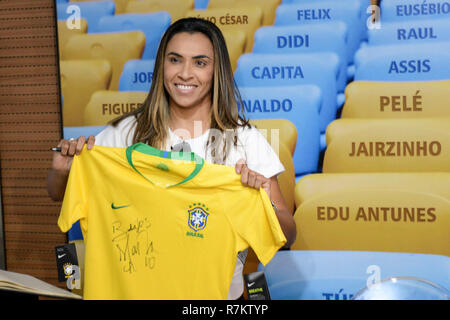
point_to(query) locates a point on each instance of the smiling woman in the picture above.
(193, 100)
(192, 83)
(188, 74)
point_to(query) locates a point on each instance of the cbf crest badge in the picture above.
(68, 270)
(197, 217)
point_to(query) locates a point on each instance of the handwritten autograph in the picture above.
(133, 242)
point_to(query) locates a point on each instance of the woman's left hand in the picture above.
(251, 178)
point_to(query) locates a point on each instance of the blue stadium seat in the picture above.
(201, 4)
(91, 11)
(364, 6)
(407, 62)
(365, 3)
(401, 10)
(338, 275)
(153, 25)
(75, 132)
(268, 70)
(406, 32)
(349, 12)
(323, 37)
(300, 105)
(136, 75)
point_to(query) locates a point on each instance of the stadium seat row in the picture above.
(154, 16)
(404, 64)
(176, 8)
(301, 104)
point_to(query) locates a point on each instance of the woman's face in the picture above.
(188, 70)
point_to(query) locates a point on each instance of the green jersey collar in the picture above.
(186, 156)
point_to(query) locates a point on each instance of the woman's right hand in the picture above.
(62, 161)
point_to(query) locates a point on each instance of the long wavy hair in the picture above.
(153, 116)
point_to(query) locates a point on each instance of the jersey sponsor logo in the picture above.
(198, 216)
(113, 206)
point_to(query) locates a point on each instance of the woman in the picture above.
(192, 104)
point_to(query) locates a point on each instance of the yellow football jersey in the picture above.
(162, 225)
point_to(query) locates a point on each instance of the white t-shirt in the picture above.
(251, 146)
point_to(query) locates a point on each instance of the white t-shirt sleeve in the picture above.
(259, 154)
(120, 136)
